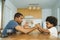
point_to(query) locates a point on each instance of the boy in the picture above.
(51, 22)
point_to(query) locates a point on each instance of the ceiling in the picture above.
(42, 3)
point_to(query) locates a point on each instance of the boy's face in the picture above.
(48, 24)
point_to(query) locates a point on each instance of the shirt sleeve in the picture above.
(13, 24)
(10, 25)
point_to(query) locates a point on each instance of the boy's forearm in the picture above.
(40, 29)
(44, 30)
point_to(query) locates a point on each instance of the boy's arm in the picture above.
(41, 29)
(19, 28)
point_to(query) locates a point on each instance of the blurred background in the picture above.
(33, 10)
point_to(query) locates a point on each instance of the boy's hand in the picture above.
(38, 26)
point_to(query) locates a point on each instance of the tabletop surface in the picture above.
(31, 36)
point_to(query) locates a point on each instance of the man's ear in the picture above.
(16, 17)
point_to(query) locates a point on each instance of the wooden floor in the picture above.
(31, 36)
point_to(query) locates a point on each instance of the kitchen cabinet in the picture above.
(26, 12)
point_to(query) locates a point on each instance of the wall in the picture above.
(58, 17)
(45, 13)
(0, 12)
(9, 11)
(58, 14)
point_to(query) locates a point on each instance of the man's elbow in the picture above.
(25, 32)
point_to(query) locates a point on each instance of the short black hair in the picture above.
(17, 15)
(52, 20)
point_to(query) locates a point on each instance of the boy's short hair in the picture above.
(17, 15)
(52, 20)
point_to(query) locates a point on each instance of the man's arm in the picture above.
(19, 28)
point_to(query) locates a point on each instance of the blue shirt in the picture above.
(10, 26)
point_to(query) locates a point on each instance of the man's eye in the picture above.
(47, 23)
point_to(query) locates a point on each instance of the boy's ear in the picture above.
(52, 24)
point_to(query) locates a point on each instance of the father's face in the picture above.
(20, 19)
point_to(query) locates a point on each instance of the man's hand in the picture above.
(26, 25)
(37, 25)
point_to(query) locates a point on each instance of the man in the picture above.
(14, 25)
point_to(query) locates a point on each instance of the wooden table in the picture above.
(31, 36)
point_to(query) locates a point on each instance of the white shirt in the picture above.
(53, 32)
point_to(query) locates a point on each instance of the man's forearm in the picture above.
(29, 30)
(21, 29)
